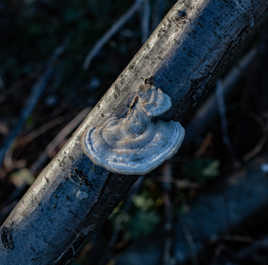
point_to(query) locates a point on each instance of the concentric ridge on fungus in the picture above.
(135, 144)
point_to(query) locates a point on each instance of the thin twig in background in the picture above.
(109, 34)
(145, 21)
(9, 164)
(158, 12)
(186, 184)
(128, 203)
(191, 244)
(223, 119)
(208, 112)
(60, 137)
(217, 253)
(12, 89)
(166, 185)
(204, 146)
(238, 238)
(261, 141)
(39, 131)
(254, 248)
(36, 93)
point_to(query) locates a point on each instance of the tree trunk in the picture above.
(72, 197)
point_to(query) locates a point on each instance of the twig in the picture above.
(8, 161)
(191, 244)
(252, 249)
(261, 142)
(158, 12)
(225, 135)
(204, 145)
(208, 112)
(237, 238)
(145, 21)
(50, 149)
(186, 184)
(39, 131)
(109, 34)
(36, 93)
(224, 123)
(128, 203)
(217, 253)
(167, 179)
(12, 89)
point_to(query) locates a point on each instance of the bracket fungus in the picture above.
(138, 142)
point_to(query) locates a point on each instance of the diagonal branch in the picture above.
(110, 33)
(72, 197)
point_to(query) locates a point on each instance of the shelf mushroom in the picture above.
(137, 143)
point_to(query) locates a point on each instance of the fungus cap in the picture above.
(135, 145)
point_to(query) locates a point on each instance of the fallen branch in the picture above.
(72, 197)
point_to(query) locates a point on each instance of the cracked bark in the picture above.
(72, 197)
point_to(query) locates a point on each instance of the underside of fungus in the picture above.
(138, 142)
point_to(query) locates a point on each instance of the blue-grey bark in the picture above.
(72, 197)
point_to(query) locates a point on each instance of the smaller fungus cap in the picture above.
(135, 145)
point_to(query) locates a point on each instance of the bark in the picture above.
(72, 197)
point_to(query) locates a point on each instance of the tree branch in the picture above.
(110, 33)
(72, 197)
